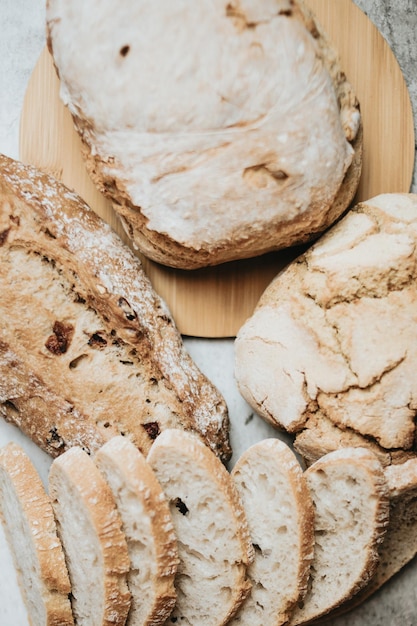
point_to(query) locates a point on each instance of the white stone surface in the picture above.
(22, 39)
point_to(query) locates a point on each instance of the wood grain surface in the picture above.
(214, 302)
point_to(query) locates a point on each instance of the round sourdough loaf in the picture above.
(219, 131)
(330, 351)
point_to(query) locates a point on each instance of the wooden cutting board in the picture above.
(214, 302)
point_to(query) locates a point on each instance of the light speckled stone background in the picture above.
(22, 39)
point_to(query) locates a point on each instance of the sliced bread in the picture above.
(90, 529)
(351, 505)
(213, 539)
(280, 516)
(31, 532)
(148, 528)
(88, 350)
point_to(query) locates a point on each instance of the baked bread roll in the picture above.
(351, 505)
(213, 539)
(87, 348)
(30, 529)
(148, 528)
(219, 133)
(332, 344)
(95, 547)
(280, 515)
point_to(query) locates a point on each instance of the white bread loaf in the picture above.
(29, 524)
(280, 515)
(87, 348)
(350, 498)
(213, 539)
(334, 336)
(90, 529)
(148, 529)
(219, 133)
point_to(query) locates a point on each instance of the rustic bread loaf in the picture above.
(87, 348)
(280, 515)
(213, 539)
(90, 529)
(219, 133)
(148, 529)
(29, 524)
(332, 344)
(351, 506)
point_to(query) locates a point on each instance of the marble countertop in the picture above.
(23, 38)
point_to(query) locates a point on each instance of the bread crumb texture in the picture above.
(330, 352)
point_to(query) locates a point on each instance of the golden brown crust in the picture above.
(36, 509)
(80, 471)
(101, 346)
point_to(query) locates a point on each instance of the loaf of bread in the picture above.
(280, 515)
(351, 506)
(148, 528)
(29, 524)
(213, 539)
(87, 348)
(219, 133)
(90, 528)
(330, 353)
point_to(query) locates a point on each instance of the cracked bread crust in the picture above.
(88, 350)
(333, 337)
(255, 146)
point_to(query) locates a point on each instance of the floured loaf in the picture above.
(219, 133)
(87, 348)
(331, 351)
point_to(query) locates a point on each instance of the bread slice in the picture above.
(399, 546)
(280, 515)
(213, 538)
(91, 533)
(148, 528)
(351, 504)
(87, 348)
(30, 530)
(231, 144)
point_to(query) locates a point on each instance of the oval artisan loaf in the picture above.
(88, 350)
(219, 133)
(30, 528)
(213, 538)
(330, 351)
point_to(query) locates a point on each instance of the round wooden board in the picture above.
(214, 302)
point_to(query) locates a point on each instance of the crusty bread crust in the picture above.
(74, 473)
(223, 563)
(88, 350)
(198, 195)
(127, 472)
(35, 516)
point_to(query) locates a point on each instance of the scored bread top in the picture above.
(219, 133)
(88, 337)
